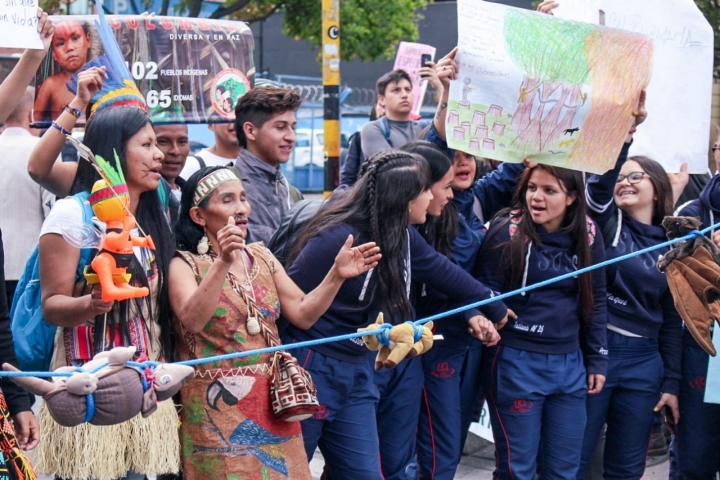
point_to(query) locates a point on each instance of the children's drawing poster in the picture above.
(408, 58)
(534, 86)
(679, 98)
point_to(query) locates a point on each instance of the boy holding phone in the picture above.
(395, 129)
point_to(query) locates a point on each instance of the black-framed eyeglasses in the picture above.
(715, 148)
(632, 178)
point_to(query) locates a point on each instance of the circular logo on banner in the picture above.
(333, 32)
(227, 87)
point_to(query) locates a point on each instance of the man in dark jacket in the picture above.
(265, 128)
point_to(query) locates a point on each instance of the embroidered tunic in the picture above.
(228, 429)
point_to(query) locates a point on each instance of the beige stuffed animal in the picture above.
(401, 342)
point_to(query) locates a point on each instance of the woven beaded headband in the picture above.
(210, 182)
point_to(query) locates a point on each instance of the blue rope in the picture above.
(417, 331)
(384, 335)
(89, 408)
(383, 328)
(89, 400)
(141, 367)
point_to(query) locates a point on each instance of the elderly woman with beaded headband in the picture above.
(392, 194)
(226, 297)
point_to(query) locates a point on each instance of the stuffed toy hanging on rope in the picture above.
(398, 342)
(693, 273)
(110, 202)
(108, 390)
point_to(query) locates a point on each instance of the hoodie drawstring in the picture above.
(616, 238)
(527, 263)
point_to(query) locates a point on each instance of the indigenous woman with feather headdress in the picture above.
(90, 320)
(91, 324)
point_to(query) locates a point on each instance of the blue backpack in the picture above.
(32, 335)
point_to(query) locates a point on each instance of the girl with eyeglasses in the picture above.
(644, 329)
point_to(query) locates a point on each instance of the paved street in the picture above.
(479, 463)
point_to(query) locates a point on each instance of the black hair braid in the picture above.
(376, 207)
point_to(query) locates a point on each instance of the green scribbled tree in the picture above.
(711, 10)
(552, 55)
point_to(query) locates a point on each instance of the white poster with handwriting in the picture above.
(534, 86)
(18, 24)
(679, 97)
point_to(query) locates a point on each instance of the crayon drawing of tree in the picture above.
(552, 56)
(558, 59)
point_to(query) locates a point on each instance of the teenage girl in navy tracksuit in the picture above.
(392, 193)
(698, 430)
(402, 385)
(452, 367)
(644, 328)
(554, 353)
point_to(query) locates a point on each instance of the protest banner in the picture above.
(534, 86)
(19, 23)
(678, 125)
(408, 58)
(190, 70)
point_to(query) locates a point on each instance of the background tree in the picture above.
(370, 29)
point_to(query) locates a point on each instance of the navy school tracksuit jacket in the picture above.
(549, 318)
(638, 296)
(489, 194)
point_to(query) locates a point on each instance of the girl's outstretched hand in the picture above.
(45, 28)
(447, 69)
(353, 261)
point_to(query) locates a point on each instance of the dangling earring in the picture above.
(203, 246)
(409, 210)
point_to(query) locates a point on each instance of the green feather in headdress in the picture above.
(113, 176)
